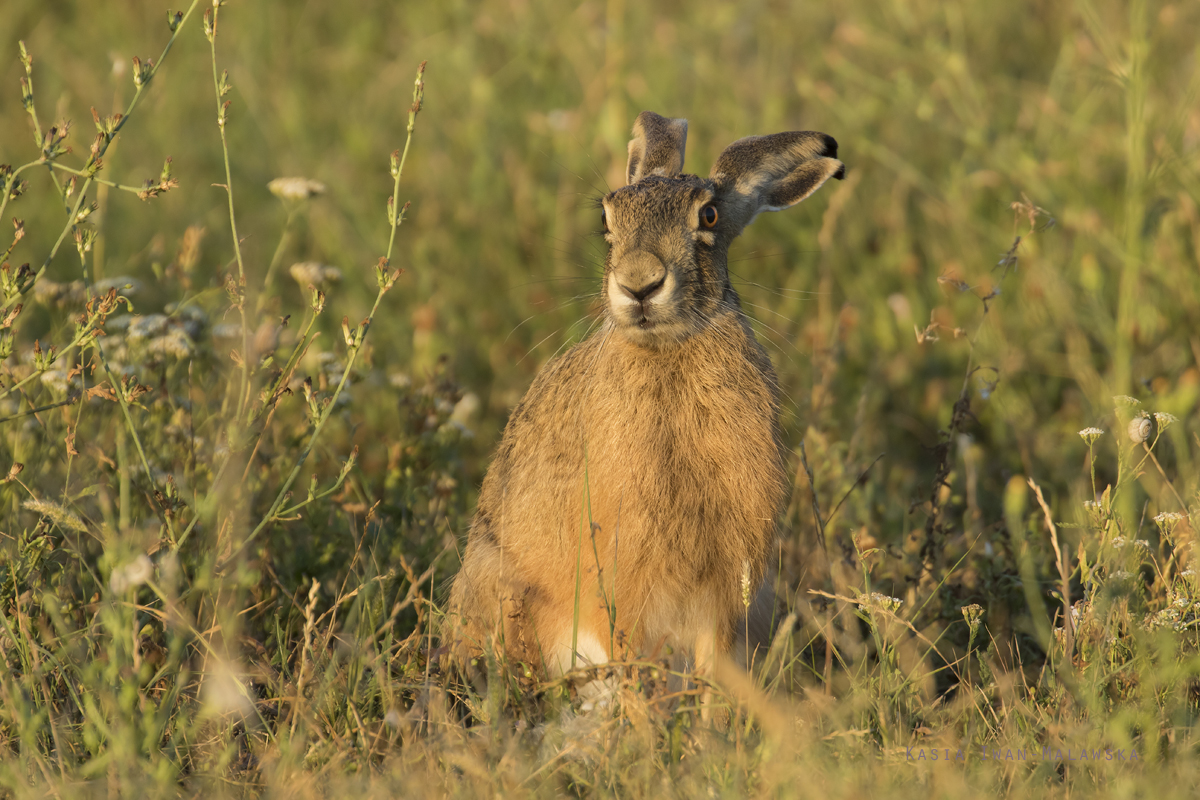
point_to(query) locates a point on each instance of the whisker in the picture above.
(558, 306)
(563, 167)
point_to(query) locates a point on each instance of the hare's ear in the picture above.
(770, 173)
(656, 147)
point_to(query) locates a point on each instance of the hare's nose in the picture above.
(640, 274)
(642, 293)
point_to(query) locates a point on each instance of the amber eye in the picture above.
(708, 216)
(604, 220)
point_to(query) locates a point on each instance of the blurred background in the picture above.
(868, 295)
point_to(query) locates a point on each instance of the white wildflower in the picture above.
(1126, 401)
(227, 330)
(131, 575)
(56, 381)
(173, 343)
(331, 366)
(1167, 618)
(972, 614)
(295, 188)
(224, 691)
(884, 601)
(315, 273)
(1090, 435)
(1167, 520)
(1164, 419)
(1091, 505)
(147, 327)
(1119, 541)
(59, 294)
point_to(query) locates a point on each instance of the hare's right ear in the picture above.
(770, 173)
(656, 148)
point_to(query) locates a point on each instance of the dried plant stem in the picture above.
(119, 391)
(93, 178)
(1064, 572)
(356, 348)
(284, 379)
(137, 96)
(812, 492)
(222, 120)
(1166, 480)
(272, 514)
(11, 182)
(277, 256)
(69, 401)
(398, 170)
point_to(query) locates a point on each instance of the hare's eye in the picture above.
(604, 220)
(708, 216)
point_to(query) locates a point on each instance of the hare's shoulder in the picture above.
(544, 426)
(556, 390)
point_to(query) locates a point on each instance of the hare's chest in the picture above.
(675, 461)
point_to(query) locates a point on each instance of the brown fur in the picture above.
(647, 460)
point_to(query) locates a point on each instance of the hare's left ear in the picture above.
(656, 147)
(770, 173)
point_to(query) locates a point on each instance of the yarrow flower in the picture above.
(295, 188)
(312, 272)
(1126, 401)
(173, 343)
(1164, 419)
(1167, 520)
(972, 614)
(884, 601)
(1090, 435)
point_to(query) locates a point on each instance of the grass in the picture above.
(228, 521)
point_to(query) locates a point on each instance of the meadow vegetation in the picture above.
(244, 414)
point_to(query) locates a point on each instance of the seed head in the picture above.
(57, 514)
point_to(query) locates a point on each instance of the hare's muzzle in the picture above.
(638, 282)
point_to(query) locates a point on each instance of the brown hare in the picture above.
(638, 483)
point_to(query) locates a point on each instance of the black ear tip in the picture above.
(830, 146)
(841, 173)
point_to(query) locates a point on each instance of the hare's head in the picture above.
(666, 275)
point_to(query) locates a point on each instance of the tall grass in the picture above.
(240, 448)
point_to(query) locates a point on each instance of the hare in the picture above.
(634, 497)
